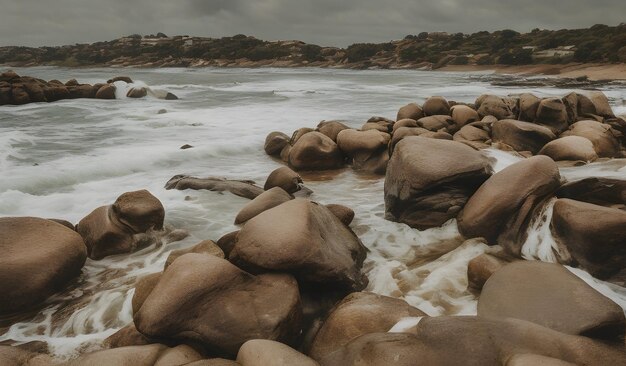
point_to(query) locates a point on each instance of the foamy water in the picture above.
(63, 160)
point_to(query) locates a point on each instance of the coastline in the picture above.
(595, 71)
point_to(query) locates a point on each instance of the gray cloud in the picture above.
(325, 22)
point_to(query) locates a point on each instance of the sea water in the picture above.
(64, 159)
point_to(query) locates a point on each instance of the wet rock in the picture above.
(492, 105)
(594, 235)
(127, 336)
(403, 132)
(15, 356)
(241, 188)
(570, 148)
(19, 95)
(305, 239)
(208, 300)
(437, 123)
(411, 111)
(331, 128)
(528, 105)
(406, 122)
(227, 242)
(315, 151)
(262, 352)
(367, 149)
(148, 355)
(297, 134)
(552, 113)
(607, 192)
(436, 106)
(72, 82)
(285, 178)
(481, 268)
(214, 362)
(358, 314)
(143, 288)
(605, 144)
(472, 341)
(106, 92)
(275, 142)
(139, 210)
(521, 136)
(208, 247)
(81, 91)
(540, 292)
(185, 147)
(382, 125)
(39, 257)
(472, 136)
(137, 93)
(600, 102)
(428, 191)
(125, 79)
(343, 213)
(571, 107)
(462, 115)
(503, 206)
(263, 202)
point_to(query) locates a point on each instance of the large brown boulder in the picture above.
(206, 299)
(147, 355)
(367, 149)
(305, 239)
(403, 132)
(109, 230)
(552, 113)
(436, 105)
(284, 178)
(39, 257)
(600, 102)
(428, 181)
(81, 91)
(411, 111)
(594, 235)
(331, 128)
(570, 148)
(406, 122)
(106, 91)
(571, 106)
(208, 247)
(521, 136)
(473, 341)
(472, 136)
(315, 151)
(462, 115)
(137, 93)
(358, 314)
(492, 105)
(266, 200)
(438, 123)
(502, 207)
(600, 135)
(597, 190)
(275, 142)
(540, 292)
(263, 352)
(528, 105)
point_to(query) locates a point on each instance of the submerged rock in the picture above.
(39, 257)
(427, 191)
(241, 188)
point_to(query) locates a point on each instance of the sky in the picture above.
(323, 22)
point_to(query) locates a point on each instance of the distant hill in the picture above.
(598, 44)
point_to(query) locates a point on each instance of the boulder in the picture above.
(315, 151)
(214, 362)
(275, 142)
(552, 113)
(241, 188)
(481, 268)
(540, 292)
(382, 126)
(148, 355)
(305, 239)
(403, 132)
(344, 214)
(411, 111)
(594, 235)
(503, 206)
(521, 136)
(491, 105)
(109, 230)
(600, 102)
(528, 105)
(367, 149)
(437, 123)
(106, 92)
(428, 191)
(570, 148)
(262, 352)
(19, 95)
(5, 93)
(81, 91)
(34, 89)
(472, 136)
(607, 192)
(284, 178)
(331, 128)
(462, 115)
(206, 299)
(16, 356)
(127, 336)
(143, 288)
(571, 107)
(125, 79)
(472, 341)
(137, 93)
(358, 314)
(605, 144)
(266, 200)
(227, 242)
(406, 122)
(436, 106)
(39, 257)
(208, 247)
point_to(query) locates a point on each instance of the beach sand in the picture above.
(592, 71)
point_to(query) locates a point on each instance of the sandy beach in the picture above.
(574, 70)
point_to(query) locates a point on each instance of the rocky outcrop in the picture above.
(539, 292)
(39, 257)
(110, 229)
(428, 191)
(206, 299)
(521, 136)
(594, 235)
(503, 206)
(305, 239)
(315, 151)
(358, 314)
(570, 148)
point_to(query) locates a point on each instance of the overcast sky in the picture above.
(325, 22)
